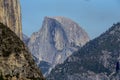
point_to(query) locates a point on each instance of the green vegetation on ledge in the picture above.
(16, 63)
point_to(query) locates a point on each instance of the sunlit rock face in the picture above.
(58, 38)
(10, 15)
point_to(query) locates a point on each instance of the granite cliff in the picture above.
(58, 38)
(10, 15)
(16, 62)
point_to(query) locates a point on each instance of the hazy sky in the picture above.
(95, 16)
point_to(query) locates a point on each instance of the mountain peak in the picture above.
(58, 38)
(61, 19)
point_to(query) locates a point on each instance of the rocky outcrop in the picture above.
(99, 59)
(16, 63)
(10, 15)
(58, 38)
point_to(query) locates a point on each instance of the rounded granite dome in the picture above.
(58, 38)
(76, 34)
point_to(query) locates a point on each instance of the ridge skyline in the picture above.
(89, 14)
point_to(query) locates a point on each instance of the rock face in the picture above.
(16, 63)
(25, 39)
(58, 38)
(99, 59)
(10, 15)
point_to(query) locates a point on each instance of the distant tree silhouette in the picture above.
(117, 67)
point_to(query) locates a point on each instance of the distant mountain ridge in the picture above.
(58, 38)
(99, 59)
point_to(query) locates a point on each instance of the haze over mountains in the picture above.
(58, 38)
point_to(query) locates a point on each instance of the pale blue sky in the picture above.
(95, 16)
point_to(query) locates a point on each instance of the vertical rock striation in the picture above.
(58, 38)
(10, 15)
